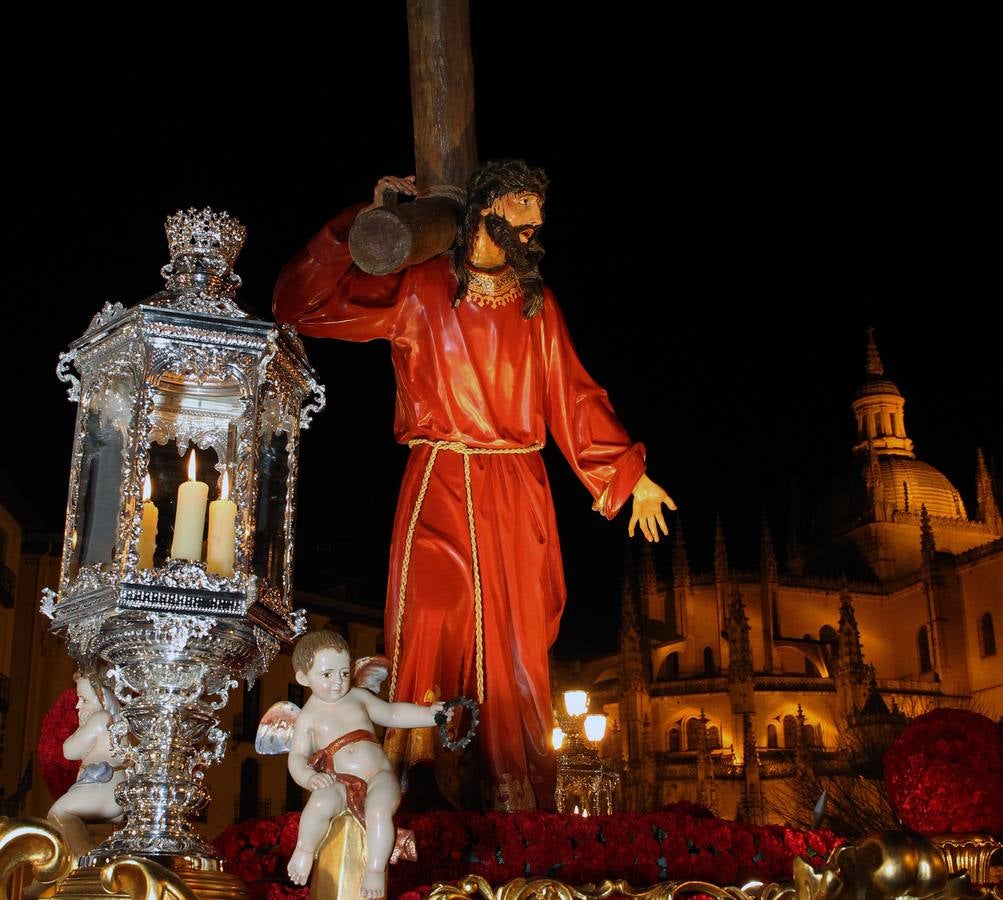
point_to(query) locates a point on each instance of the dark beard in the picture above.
(524, 259)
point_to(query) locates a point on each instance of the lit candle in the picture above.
(148, 527)
(222, 519)
(190, 518)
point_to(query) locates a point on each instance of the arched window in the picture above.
(790, 731)
(708, 661)
(248, 790)
(923, 645)
(670, 668)
(693, 733)
(771, 736)
(987, 635)
(713, 737)
(675, 740)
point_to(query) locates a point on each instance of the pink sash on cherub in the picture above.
(355, 789)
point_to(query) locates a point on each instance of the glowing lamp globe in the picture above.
(576, 702)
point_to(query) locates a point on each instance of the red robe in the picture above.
(486, 377)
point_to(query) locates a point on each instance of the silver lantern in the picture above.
(184, 379)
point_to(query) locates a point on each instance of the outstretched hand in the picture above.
(647, 509)
(392, 183)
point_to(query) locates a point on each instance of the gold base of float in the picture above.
(968, 851)
(340, 861)
(31, 850)
(172, 878)
(551, 889)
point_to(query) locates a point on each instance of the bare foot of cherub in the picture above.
(374, 884)
(300, 864)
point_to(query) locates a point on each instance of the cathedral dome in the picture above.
(878, 387)
(914, 484)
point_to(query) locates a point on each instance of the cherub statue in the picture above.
(334, 752)
(91, 798)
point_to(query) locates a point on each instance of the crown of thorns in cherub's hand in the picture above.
(441, 719)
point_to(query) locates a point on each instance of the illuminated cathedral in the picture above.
(726, 681)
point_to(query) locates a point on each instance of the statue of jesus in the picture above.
(484, 367)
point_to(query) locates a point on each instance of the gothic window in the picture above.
(693, 727)
(708, 661)
(713, 737)
(771, 736)
(670, 668)
(987, 635)
(675, 740)
(923, 645)
(248, 790)
(790, 731)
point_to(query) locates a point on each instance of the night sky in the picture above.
(730, 208)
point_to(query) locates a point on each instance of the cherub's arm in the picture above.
(80, 743)
(299, 754)
(397, 715)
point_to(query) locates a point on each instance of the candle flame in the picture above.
(191, 465)
(147, 488)
(224, 491)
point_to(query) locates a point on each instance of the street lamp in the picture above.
(584, 783)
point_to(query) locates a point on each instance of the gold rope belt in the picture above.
(467, 452)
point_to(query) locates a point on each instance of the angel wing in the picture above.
(275, 731)
(370, 672)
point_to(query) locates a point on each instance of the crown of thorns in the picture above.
(504, 176)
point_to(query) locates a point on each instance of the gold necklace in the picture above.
(493, 289)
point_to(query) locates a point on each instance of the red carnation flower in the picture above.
(58, 724)
(944, 773)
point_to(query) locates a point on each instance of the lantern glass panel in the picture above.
(105, 422)
(270, 530)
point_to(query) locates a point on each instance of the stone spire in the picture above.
(648, 744)
(720, 552)
(875, 369)
(650, 593)
(752, 808)
(739, 645)
(987, 509)
(681, 575)
(879, 408)
(767, 555)
(634, 706)
(927, 544)
(801, 745)
(851, 671)
(706, 793)
(631, 659)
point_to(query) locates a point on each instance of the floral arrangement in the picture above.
(58, 724)
(944, 773)
(677, 843)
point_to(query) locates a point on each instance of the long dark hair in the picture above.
(489, 182)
